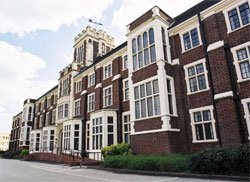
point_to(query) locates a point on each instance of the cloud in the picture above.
(25, 16)
(20, 79)
(132, 9)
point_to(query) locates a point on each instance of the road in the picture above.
(23, 171)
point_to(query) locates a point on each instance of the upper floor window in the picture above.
(191, 39)
(63, 111)
(239, 16)
(164, 43)
(143, 49)
(77, 108)
(91, 102)
(241, 56)
(203, 124)
(107, 71)
(91, 79)
(196, 77)
(47, 119)
(107, 96)
(147, 100)
(53, 116)
(48, 103)
(125, 62)
(65, 87)
(125, 90)
(78, 86)
(55, 99)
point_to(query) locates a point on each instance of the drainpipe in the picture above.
(203, 37)
(236, 96)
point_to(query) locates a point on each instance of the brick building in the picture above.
(176, 85)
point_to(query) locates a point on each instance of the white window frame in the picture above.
(88, 135)
(63, 112)
(125, 62)
(188, 29)
(245, 103)
(203, 61)
(67, 137)
(235, 6)
(91, 79)
(107, 74)
(212, 121)
(125, 90)
(53, 118)
(106, 96)
(78, 86)
(126, 114)
(40, 120)
(47, 119)
(48, 102)
(236, 62)
(91, 102)
(65, 87)
(77, 107)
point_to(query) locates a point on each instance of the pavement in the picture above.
(24, 171)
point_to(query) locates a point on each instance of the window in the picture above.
(143, 49)
(238, 17)
(37, 142)
(42, 106)
(170, 95)
(63, 111)
(78, 86)
(108, 101)
(125, 62)
(51, 141)
(76, 136)
(45, 139)
(91, 102)
(97, 133)
(66, 136)
(41, 121)
(196, 77)
(77, 108)
(88, 136)
(203, 124)
(53, 116)
(32, 135)
(92, 80)
(246, 107)
(107, 71)
(47, 119)
(65, 87)
(147, 100)
(241, 56)
(126, 128)
(164, 43)
(30, 114)
(125, 90)
(55, 99)
(110, 130)
(48, 103)
(191, 39)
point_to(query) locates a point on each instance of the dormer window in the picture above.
(191, 39)
(143, 49)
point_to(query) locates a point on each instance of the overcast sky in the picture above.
(36, 39)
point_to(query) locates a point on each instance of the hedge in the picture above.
(10, 154)
(118, 149)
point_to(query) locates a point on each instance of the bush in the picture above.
(23, 153)
(231, 161)
(119, 149)
(10, 154)
(169, 162)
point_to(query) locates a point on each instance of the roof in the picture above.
(100, 58)
(193, 11)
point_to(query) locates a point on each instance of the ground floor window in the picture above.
(76, 136)
(126, 128)
(97, 133)
(87, 136)
(32, 141)
(246, 106)
(37, 141)
(52, 138)
(45, 139)
(110, 130)
(203, 124)
(66, 136)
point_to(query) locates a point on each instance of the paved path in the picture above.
(22, 171)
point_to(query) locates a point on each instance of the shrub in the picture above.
(231, 161)
(10, 154)
(169, 162)
(119, 149)
(23, 153)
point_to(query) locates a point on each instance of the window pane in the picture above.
(110, 128)
(139, 42)
(208, 131)
(110, 139)
(187, 42)
(245, 69)
(150, 106)
(149, 88)
(191, 71)
(152, 54)
(142, 91)
(194, 37)
(245, 13)
(157, 105)
(151, 36)
(146, 57)
(133, 46)
(155, 86)
(234, 19)
(136, 92)
(242, 54)
(145, 39)
(202, 82)
(197, 117)
(193, 84)
(140, 59)
(199, 68)
(199, 132)
(206, 115)
(143, 108)
(135, 66)
(137, 110)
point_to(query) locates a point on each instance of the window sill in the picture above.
(191, 93)
(185, 51)
(107, 78)
(205, 141)
(243, 80)
(143, 67)
(231, 31)
(107, 106)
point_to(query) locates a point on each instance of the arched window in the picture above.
(145, 39)
(151, 36)
(133, 46)
(163, 35)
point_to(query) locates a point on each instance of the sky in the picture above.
(36, 39)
